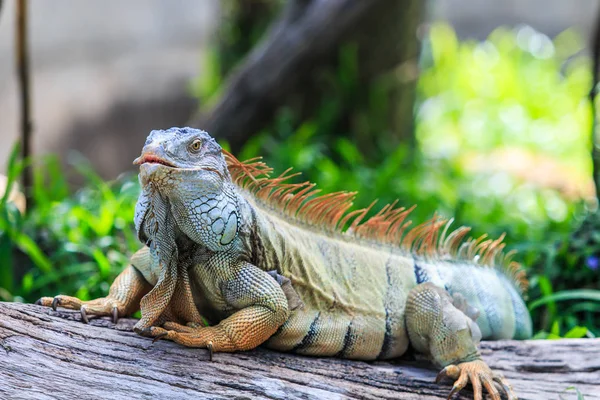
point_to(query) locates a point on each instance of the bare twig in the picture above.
(23, 78)
(593, 92)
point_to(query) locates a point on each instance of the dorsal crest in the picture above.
(331, 212)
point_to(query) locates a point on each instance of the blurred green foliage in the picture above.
(70, 244)
(488, 112)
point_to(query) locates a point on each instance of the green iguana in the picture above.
(269, 262)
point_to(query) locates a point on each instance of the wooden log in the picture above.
(52, 355)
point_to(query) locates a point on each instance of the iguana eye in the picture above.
(195, 145)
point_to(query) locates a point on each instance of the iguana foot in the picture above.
(104, 306)
(123, 298)
(478, 373)
(190, 335)
(202, 337)
(189, 328)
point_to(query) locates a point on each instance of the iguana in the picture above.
(270, 262)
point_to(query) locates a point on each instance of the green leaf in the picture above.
(555, 330)
(29, 247)
(6, 263)
(103, 262)
(576, 332)
(15, 167)
(579, 394)
(546, 289)
(567, 295)
(27, 282)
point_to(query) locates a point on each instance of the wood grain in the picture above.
(52, 355)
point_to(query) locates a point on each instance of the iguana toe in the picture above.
(72, 303)
(160, 336)
(191, 337)
(478, 373)
(501, 382)
(209, 346)
(155, 332)
(115, 314)
(84, 317)
(55, 302)
(174, 326)
(101, 307)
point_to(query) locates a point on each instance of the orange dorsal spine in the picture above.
(330, 212)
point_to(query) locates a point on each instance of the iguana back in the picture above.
(355, 283)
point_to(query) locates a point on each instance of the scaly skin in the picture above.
(214, 249)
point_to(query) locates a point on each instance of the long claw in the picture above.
(146, 332)
(84, 316)
(55, 302)
(455, 389)
(441, 375)
(160, 336)
(115, 314)
(506, 387)
(209, 346)
(450, 371)
(454, 372)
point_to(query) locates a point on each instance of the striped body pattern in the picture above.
(235, 227)
(354, 291)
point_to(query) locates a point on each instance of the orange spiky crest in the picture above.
(431, 239)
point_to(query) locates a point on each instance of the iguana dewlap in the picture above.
(270, 262)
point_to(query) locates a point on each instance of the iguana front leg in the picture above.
(443, 329)
(123, 297)
(260, 308)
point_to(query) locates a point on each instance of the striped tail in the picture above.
(503, 314)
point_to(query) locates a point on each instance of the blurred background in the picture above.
(476, 109)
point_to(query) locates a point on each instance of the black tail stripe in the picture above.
(349, 339)
(311, 335)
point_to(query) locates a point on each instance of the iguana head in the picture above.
(182, 148)
(186, 168)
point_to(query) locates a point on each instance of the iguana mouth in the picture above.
(152, 159)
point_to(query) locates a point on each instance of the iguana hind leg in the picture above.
(123, 298)
(441, 327)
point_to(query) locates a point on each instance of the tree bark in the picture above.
(47, 355)
(304, 42)
(23, 75)
(595, 154)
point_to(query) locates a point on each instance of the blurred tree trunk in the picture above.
(244, 23)
(307, 43)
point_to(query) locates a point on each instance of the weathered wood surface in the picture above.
(52, 355)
